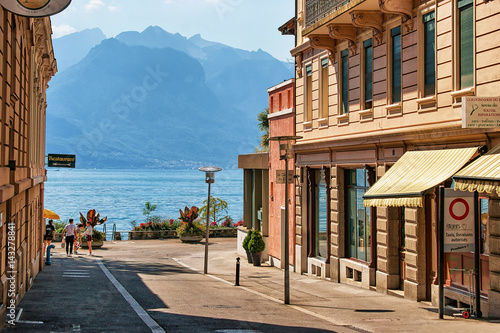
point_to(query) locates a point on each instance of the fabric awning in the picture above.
(482, 175)
(413, 174)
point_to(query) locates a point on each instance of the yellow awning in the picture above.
(482, 175)
(413, 174)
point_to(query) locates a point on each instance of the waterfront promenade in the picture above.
(157, 286)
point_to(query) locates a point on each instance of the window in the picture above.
(345, 82)
(396, 65)
(308, 115)
(466, 43)
(358, 216)
(321, 214)
(368, 71)
(429, 25)
(324, 88)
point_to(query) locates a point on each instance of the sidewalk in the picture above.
(74, 292)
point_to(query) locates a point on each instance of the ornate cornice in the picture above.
(324, 42)
(344, 32)
(369, 19)
(403, 8)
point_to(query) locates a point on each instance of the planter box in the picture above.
(97, 244)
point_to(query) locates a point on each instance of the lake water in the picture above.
(120, 194)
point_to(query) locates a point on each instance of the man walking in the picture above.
(69, 232)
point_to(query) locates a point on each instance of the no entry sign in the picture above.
(458, 221)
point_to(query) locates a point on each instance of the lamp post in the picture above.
(209, 179)
(285, 145)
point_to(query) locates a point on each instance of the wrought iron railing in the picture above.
(319, 9)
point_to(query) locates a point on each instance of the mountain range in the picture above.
(154, 99)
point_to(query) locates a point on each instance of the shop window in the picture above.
(396, 65)
(429, 27)
(466, 43)
(321, 214)
(368, 74)
(358, 216)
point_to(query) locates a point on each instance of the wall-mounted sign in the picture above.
(280, 177)
(458, 221)
(61, 161)
(35, 8)
(480, 112)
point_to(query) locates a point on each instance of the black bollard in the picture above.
(237, 271)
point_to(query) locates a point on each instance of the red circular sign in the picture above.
(461, 217)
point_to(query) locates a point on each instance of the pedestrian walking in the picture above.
(69, 232)
(88, 234)
(49, 234)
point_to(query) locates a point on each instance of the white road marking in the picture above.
(146, 318)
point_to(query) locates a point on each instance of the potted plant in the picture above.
(246, 240)
(189, 230)
(256, 246)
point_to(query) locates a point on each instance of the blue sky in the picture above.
(245, 24)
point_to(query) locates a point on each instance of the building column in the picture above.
(415, 256)
(300, 221)
(337, 231)
(494, 243)
(387, 249)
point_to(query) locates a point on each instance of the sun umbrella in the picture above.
(47, 213)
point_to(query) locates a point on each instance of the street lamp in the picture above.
(285, 145)
(209, 179)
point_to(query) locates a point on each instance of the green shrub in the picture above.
(246, 240)
(256, 243)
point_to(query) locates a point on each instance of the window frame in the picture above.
(308, 82)
(457, 43)
(423, 55)
(324, 85)
(391, 64)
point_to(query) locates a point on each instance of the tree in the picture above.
(263, 125)
(148, 209)
(218, 207)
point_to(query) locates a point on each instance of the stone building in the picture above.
(27, 64)
(281, 123)
(380, 85)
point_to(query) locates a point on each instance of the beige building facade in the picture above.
(376, 79)
(27, 64)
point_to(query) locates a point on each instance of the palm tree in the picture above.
(264, 127)
(148, 209)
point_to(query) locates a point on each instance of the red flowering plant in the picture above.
(238, 224)
(228, 222)
(213, 224)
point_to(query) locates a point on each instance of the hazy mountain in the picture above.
(155, 99)
(70, 49)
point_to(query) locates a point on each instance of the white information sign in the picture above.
(480, 112)
(35, 8)
(458, 221)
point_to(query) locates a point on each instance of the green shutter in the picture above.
(345, 81)
(309, 70)
(466, 44)
(324, 62)
(396, 64)
(367, 44)
(429, 54)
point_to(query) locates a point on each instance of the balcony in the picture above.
(316, 10)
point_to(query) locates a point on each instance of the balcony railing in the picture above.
(319, 9)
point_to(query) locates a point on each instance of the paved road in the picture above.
(156, 286)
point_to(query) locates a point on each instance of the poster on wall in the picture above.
(458, 221)
(480, 112)
(35, 8)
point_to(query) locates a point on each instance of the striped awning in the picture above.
(405, 183)
(482, 175)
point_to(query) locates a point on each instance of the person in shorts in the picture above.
(69, 232)
(88, 234)
(48, 237)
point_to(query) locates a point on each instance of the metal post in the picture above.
(237, 271)
(287, 258)
(441, 252)
(477, 253)
(205, 267)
